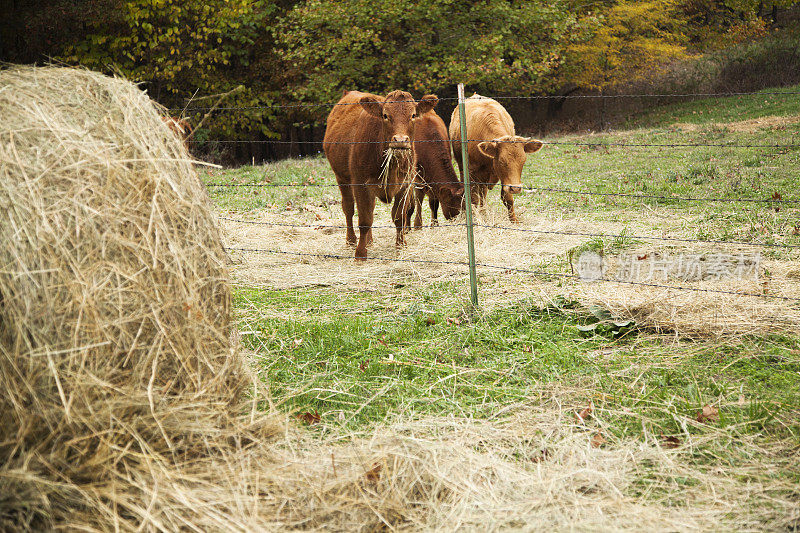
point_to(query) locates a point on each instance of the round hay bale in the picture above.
(114, 301)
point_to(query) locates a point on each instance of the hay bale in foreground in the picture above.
(115, 358)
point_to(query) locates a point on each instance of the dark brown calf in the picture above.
(437, 177)
(369, 142)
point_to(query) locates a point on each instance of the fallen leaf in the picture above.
(454, 321)
(527, 348)
(373, 475)
(316, 216)
(709, 413)
(777, 197)
(598, 440)
(309, 418)
(671, 442)
(363, 365)
(430, 321)
(584, 414)
(642, 257)
(297, 342)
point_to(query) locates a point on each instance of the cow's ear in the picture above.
(488, 148)
(427, 103)
(532, 145)
(372, 105)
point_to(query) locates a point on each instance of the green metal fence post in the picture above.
(473, 276)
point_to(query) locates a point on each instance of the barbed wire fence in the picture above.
(767, 202)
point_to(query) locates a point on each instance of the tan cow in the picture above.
(496, 154)
(369, 142)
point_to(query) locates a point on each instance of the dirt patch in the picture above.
(744, 126)
(541, 244)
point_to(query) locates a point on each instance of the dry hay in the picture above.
(122, 401)
(116, 365)
(752, 125)
(692, 313)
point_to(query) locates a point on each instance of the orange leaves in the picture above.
(670, 442)
(708, 414)
(597, 440)
(584, 414)
(309, 417)
(373, 475)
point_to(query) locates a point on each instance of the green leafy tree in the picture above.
(380, 45)
(185, 47)
(635, 38)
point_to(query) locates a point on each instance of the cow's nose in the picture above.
(514, 189)
(401, 141)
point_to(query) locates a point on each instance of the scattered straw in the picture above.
(689, 313)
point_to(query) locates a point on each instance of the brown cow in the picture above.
(180, 127)
(496, 155)
(437, 178)
(369, 144)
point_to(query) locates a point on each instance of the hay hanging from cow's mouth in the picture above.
(397, 167)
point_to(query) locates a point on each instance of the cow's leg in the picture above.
(508, 201)
(349, 209)
(419, 194)
(366, 212)
(400, 214)
(433, 203)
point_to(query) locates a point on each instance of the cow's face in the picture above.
(451, 199)
(398, 113)
(507, 155)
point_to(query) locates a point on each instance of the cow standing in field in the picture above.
(369, 142)
(437, 178)
(497, 154)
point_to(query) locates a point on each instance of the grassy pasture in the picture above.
(366, 345)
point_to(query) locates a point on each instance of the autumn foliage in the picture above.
(290, 52)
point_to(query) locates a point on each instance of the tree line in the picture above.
(266, 53)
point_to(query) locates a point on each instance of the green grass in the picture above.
(362, 358)
(763, 103)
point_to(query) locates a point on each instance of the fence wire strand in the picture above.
(554, 143)
(528, 97)
(530, 188)
(523, 230)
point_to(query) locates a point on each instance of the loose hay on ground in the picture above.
(437, 254)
